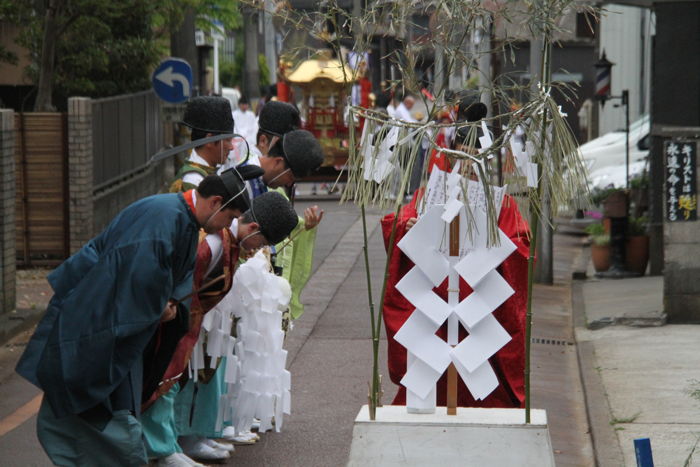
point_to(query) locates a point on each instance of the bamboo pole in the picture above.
(376, 327)
(534, 222)
(375, 335)
(389, 255)
(534, 226)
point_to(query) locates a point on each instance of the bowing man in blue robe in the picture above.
(87, 353)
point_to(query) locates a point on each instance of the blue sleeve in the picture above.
(103, 325)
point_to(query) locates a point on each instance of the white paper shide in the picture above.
(258, 384)
(426, 245)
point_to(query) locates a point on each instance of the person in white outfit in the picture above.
(245, 121)
(403, 110)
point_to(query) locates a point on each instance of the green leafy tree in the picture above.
(122, 54)
(91, 47)
(11, 12)
(99, 48)
(264, 70)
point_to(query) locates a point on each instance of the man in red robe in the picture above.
(509, 362)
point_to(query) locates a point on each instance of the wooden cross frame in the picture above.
(452, 370)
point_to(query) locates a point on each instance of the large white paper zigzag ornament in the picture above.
(424, 244)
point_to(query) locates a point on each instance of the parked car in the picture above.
(232, 94)
(604, 157)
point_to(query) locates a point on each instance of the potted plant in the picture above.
(599, 196)
(600, 246)
(637, 246)
(639, 194)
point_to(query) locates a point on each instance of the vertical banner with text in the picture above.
(681, 187)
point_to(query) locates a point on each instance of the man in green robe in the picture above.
(287, 154)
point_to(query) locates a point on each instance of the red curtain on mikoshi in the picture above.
(365, 90)
(282, 91)
(508, 362)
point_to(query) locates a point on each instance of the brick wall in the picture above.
(7, 210)
(80, 171)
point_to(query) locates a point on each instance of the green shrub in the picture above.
(599, 195)
(637, 226)
(595, 229)
(601, 239)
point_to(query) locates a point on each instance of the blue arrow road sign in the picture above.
(172, 80)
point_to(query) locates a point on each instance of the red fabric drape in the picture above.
(365, 90)
(438, 159)
(509, 362)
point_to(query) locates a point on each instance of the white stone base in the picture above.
(473, 437)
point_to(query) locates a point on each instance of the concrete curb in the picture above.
(311, 198)
(606, 446)
(326, 281)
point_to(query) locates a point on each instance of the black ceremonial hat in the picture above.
(274, 215)
(470, 108)
(250, 171)
(234, 182)
(210, 114)
(302, 152)
(278, 118)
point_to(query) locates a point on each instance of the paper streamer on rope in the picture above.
(425, 245)
(378, 160)
(523, 158)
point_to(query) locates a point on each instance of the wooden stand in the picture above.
(451, 390)
(451, 370)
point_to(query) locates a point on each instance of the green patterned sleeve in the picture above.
(296, 260)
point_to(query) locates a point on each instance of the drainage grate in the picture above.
(539, 340)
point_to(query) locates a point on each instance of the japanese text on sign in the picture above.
(681, 193)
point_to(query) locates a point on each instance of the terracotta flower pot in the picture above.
(600, 254)
(637, 254)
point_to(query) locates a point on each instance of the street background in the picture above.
(636, 379)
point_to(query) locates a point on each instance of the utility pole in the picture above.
(544, 266)
(484, 61)
(270, 50)
(182, 45)
(251, 76)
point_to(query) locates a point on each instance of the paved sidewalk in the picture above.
(556, 383)
(638, 373)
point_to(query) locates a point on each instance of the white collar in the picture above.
(234, 228)
(197, 159)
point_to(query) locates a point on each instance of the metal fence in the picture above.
(126, 131)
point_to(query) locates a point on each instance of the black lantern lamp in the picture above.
(616, 206)
(603, 71)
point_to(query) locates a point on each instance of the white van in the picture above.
(232, 94)
(604, 157)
